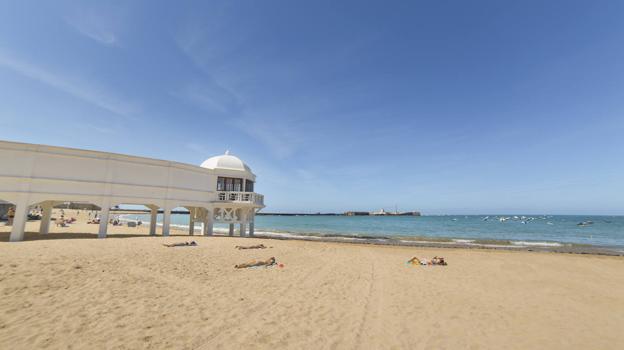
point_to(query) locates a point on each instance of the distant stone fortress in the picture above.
(382, 212)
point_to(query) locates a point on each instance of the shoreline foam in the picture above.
(552, 247)
(421, 241)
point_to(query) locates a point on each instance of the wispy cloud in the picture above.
(94, 25)
(102, 129)
(197, 148)
(212, 47)
(98, 34)
(211, 97)
(78, 88)
(283, 139)
(199, 44)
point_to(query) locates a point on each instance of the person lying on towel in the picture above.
(269, 262)
(183, 244)
(259, 246)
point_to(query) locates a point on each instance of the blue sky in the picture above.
(438, 106)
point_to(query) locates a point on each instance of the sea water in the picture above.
(521, 230)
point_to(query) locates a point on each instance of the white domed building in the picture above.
(236, 201)
(220, 190)
(226, 162)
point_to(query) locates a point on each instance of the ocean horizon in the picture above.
(514, 230)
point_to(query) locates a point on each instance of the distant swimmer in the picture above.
(585, 223)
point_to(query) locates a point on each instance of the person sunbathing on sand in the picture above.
(415, 261)
(183, 244)
(269, 262)
(435, 261)
(438, 261)
(259, 246)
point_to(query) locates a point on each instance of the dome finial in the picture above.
(227, 152)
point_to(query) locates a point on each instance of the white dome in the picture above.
(225, 161)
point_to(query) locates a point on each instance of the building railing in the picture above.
(234, 196)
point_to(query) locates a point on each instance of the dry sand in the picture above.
(130, 292)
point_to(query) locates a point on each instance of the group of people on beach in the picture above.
(436, 260)
(62, 222)
(33, 213)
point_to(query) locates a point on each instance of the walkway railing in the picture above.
(233, 196)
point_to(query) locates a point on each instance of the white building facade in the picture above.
(221, 190)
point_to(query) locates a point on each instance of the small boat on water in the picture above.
(585, 223)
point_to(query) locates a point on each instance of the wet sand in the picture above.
(128, 291)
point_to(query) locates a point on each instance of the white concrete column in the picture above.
(231, 233)
(192, 226)
(153, 220)
(19, 221)
(104, 220)
(46, 214)
(242, 226)
(208, 226)
(192, 218)
(166, 221)
(252, 222)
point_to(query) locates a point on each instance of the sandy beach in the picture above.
(130, 292)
